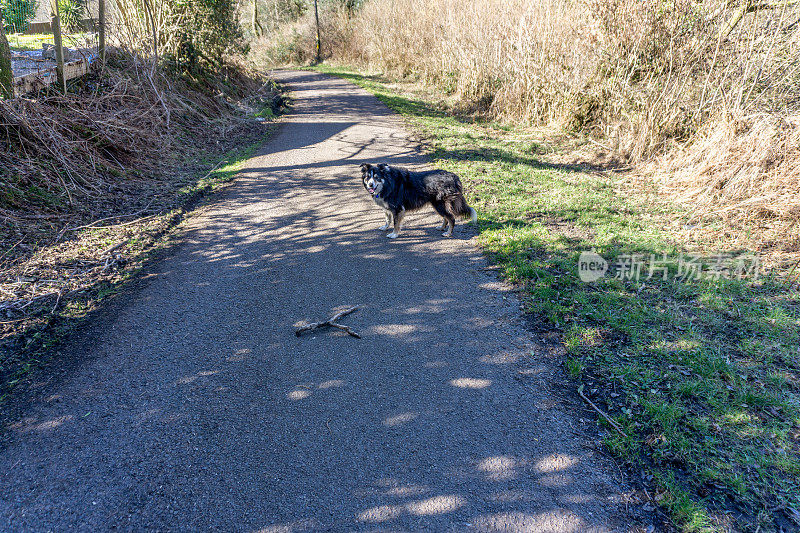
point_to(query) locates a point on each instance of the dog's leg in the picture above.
(388, 224)
(439, 207)
(398, 223)
(449, 232)
(449, 220)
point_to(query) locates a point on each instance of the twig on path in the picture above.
(330, 323)
(601, 412)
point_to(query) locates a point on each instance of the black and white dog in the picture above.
(398, 190)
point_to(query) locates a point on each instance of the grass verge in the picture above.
(696, 357)
(30, 42)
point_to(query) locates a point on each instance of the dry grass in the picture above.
(66, 145)
(744, 166)
(710, 86)
(57, 151)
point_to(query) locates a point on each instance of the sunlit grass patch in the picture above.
(30, 42)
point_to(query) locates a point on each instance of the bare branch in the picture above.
(330, 323)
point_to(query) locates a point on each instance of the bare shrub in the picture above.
(186, 36)
(81, 145)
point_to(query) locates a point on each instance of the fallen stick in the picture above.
(94, 224)
(132, 222)
(601, 412)
(107, 252)
(330, 323)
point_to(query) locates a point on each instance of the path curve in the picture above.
(196, 408)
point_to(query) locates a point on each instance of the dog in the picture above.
(398, 191)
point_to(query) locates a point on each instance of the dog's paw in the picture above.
(447, 234)
(384, 227)
(392, 235)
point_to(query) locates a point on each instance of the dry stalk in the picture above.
(602, 413)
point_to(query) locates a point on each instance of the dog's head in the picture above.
(373, 177)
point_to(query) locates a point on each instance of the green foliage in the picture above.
(17, 14)
(72, 12)
(206, 30)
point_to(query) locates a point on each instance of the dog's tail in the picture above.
(461, 209)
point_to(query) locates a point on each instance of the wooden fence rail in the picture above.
(36, 81)
(62, 72)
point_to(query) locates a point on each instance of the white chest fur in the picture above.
(380, 202)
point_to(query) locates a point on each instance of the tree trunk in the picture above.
(6, 76)
(258, 30)
(318, 59)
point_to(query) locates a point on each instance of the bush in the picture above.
(190, 35)
(206, 30)
(17, 14)
(72, 13)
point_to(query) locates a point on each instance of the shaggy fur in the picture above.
(398, 190)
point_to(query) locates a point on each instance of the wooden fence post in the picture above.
(101, 22)
(56, 23)
(6, 75)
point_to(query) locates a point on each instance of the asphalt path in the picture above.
(194, 407)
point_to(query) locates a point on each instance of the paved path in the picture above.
(196, 408)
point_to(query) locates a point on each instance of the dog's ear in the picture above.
(383, 167)
(365, 167)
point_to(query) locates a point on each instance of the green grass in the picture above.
(703, 374)
(22, 42)
(265, 113)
